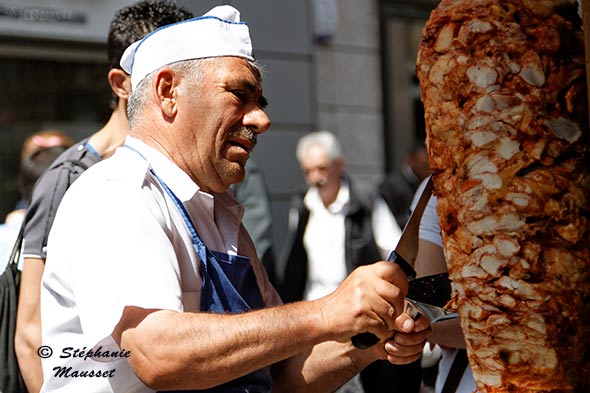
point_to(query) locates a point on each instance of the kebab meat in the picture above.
(504, 91)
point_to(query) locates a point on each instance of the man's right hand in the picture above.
(370, 299)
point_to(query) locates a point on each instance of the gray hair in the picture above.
(189, 69)
(324, 139)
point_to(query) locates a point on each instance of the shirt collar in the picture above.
(180, 182)
(313, 201)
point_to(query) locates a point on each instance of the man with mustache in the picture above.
(165, 288)
(330, 235)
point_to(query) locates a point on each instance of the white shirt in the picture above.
(385, 227)
(324, 242)
(429, 227)
(430, 230)
(117, 241)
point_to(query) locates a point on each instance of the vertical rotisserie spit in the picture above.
(504, 91)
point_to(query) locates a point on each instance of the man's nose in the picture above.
(257, 119)
(314, 176)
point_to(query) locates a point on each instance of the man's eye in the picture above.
(240, 95)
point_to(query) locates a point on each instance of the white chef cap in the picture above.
(217, 33)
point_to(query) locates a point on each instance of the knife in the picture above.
(434, 289)
(428, 295)
(423, 297)
(406, 250)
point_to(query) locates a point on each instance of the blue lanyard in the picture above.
(92, 149)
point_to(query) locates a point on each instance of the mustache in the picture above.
(244, 133)
(319, 183)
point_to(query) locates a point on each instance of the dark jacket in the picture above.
(359, 242)
(397, 190)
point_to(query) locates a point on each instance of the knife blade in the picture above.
(415, 309)
(406, 250)
(404, 254)
(434, 289)
(428, 295)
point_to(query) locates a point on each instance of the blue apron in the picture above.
(228, 286)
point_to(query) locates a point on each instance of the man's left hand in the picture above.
(404, 348)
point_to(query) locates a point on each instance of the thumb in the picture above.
(393, 274)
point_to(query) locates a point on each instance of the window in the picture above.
(67, 94)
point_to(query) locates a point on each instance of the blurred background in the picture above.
(346, 66)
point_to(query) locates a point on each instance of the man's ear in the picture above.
(340, 164)
(120, 83)
(166, 85)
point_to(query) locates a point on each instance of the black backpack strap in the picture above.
(77, 163)
(16, 248)
(456, 372)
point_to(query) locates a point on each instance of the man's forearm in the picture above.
(448, 334)
(211, 349)
(323, 369)
(27, 338)
(174, 350)
(26, 346)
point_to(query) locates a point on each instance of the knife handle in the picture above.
(367, 340)
(401, 262)
(364, 340)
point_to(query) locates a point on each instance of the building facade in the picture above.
(342, 65)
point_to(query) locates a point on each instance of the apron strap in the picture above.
(219, 294)
(456, 372)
